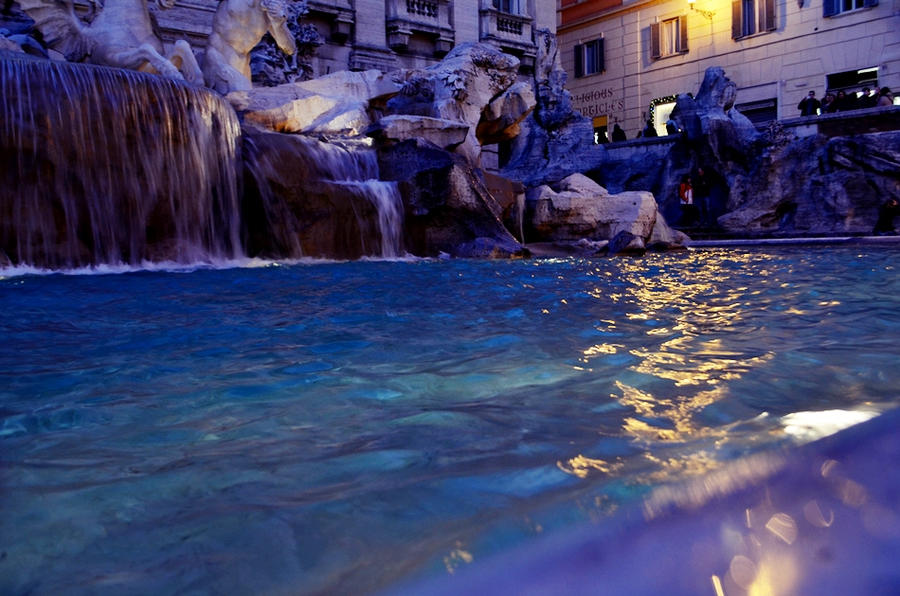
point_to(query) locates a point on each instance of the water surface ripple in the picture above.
(340, 427)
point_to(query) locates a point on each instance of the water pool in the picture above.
(340, 427)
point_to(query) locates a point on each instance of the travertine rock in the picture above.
(555, 140)
(333, 104)
(711, 119)
(460, 87)
(580, 208)
(446, 134)
(501, 117)
(816, 185)
(448, 208)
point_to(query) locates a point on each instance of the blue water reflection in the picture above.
(339, 427)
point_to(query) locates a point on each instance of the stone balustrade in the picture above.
(427, 18)
(513, 33)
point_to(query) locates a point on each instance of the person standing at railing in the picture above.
(809, 105)
(868, 99)
(885, 97)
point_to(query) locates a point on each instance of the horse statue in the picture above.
(238, 26)
(121, 35)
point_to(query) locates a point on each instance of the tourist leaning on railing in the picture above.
(809, 105)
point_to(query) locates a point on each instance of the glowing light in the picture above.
(783, 526)
(457, 557)
(774, 577)
(742, 571)
(581, 466)
(813, 514)
(809, 426)
(717, 585)
(602, 349)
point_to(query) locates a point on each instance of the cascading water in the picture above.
(111, 166)
(358, 169)
(329, 201)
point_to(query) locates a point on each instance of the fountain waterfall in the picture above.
(104, 165)
(320, 199)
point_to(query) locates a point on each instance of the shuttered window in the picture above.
(749, 17)
(834, 7)
(668, 37)
(589, 58)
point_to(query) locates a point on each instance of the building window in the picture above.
(749, 17)
(834, 7)
(509, 6)
(759, 112)
(668, 37)
(589, 58)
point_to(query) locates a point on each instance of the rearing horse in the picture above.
(237, 27)
(121, 35)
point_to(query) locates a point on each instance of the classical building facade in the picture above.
(628, 59)
(391, 34)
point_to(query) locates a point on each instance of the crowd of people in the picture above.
(843, 101)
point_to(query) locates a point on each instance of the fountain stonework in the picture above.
(348, 165)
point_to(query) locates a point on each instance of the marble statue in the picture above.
(238, 26)
(121, 35)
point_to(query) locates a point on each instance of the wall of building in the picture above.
(369, 43)
(783, 64)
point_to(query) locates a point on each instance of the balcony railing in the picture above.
(430, 18)
(513, 33)
(422, 8)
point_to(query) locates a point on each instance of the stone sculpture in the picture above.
(271, 67)
(556, 140)
(120, 35)
(238, 26)
(711, 119)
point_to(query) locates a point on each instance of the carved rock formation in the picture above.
(461, 88)
(446, 134)
(336, 104)
(579, 208)
(555, 140)
(448, 208)
(712, 120)
(816, 185)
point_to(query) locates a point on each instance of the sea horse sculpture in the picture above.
(121, 35)
(238, 26)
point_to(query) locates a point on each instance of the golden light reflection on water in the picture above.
(687, 318)
(581, 466)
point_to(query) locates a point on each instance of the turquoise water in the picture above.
(340, 427)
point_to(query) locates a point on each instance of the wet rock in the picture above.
(306, 209)
(626, 243)
(447, 205)
(580, 208)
